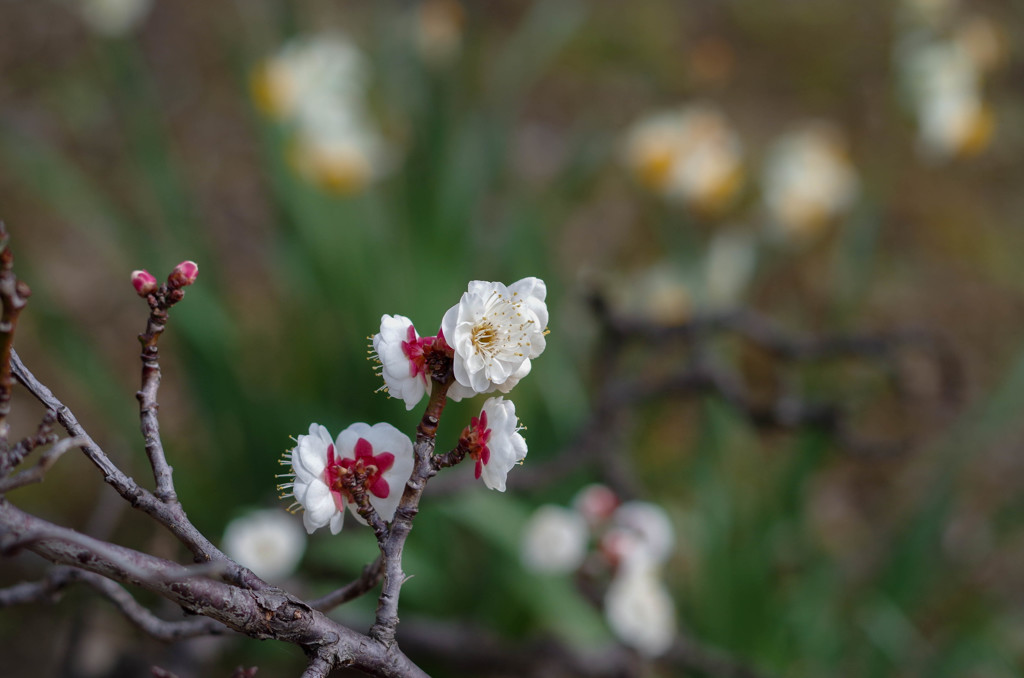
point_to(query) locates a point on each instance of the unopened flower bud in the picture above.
(184, 274)
(143, 282)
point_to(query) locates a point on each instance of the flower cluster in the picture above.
(485, 344)
(487, 339)
(633, 541)
(318, 87)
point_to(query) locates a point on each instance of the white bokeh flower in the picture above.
(645, 531)
(112, 18)
(692, 155)
(342, 159)
(381, 452)
(493, 441)
(310, 74)
(494, 332)
(268, 542)
(807, 180)
(955, 123)
(942, 83)
(318, 86)
(554, 540)
(641, 612)
(400, 351)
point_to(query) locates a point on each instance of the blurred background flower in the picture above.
(269, 542)
(690, 155)
(318, 86)
(808, 180)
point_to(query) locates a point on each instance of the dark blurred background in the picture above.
(500, 140)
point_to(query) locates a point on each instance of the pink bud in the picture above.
(184, 274)
(143, 282)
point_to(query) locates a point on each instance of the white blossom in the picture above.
(808, 180)
(494, 442)
(554, 540)
(400, 351)
(310, 74)
(494, 332)
(268, 542)
(641, 612)
(691, 154)
(318, 465)
(942, 82)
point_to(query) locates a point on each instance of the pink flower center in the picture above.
(475, 437)
(413, 349)
(366, 464)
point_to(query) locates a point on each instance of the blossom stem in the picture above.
(450, 458)
(355, 483)
(386, 623)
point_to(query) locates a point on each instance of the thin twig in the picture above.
(370, 577)
(48, 589)
(159, 303)
(172, 572)
(158, 628)
(44, 435)
(38, 472)
(45, 590)
(171, 515)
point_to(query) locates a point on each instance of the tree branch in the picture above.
(262, 614)
(170, 515)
